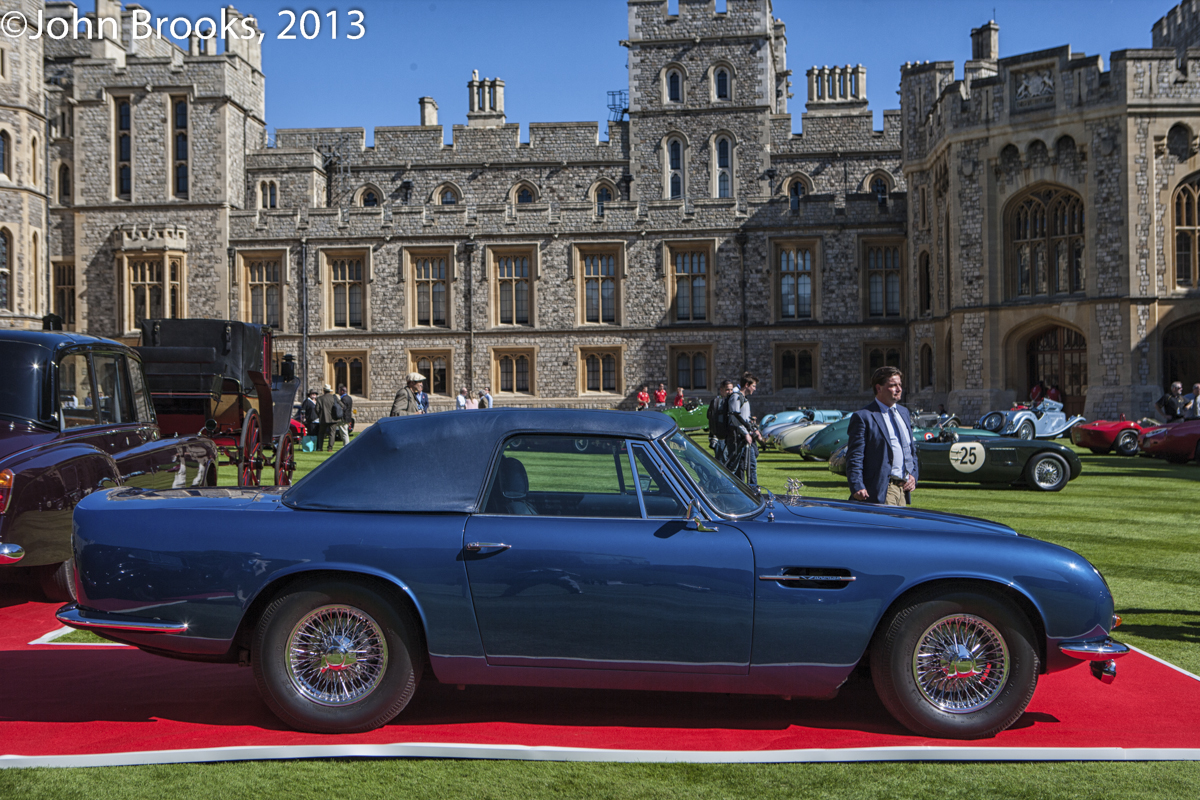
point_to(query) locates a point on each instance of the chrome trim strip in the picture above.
(829, 578)
(637, 483)
(11, 553)
(1094, 651)
(74, 616)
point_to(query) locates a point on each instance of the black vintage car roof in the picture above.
(56, 339)
(438, 462)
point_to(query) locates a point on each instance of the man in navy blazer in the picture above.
(882, 457)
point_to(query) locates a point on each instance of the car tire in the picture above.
(992, 422)
(973, 634)
(1047, 472)
(1127, 443)
(1026, 430)
(58, 582)
(300, 664)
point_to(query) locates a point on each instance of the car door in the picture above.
(582, 559)
(129, 434)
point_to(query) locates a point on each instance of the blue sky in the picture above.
(558, 58)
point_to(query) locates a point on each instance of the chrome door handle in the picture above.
(475, 547)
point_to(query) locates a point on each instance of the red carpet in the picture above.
(76, 705)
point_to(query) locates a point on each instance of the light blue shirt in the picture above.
(897, 434)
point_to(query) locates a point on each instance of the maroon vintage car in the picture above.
(1177, 442)
(75, 416)
(1107, 435)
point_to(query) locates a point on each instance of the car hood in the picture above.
(860, 514)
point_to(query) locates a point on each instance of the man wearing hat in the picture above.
(406, 399)
(329, 410)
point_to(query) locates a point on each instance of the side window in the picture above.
(141, 395)
(563, 476)
(75, 391)
(660, 499)
(112, 389)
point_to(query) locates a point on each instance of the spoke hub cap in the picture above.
(1048, 473)
(337, 655)
(961, 664)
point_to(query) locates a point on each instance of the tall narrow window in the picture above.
(181, 147)
(691, 369)
(883, 280)
(124, 150)
(675, 168)
(512, 279)
(600, 372)
(722, 84)
(145, 290)
(267, 194)
(924, 285)
(35, 172)
(691, 286)
(675, 86)
(263, 287)
(514, 372)
(1045, 233)
(5, 270)
(603, 196)
(64, 185)
(795, 368)
(5, 152)
(795, 282)
(1187, 229)
(175, 288)
(348, 372)
(435, 369)
(599, 288)
(724, 159)
(429, 274)
(64, 292)
(347, 279)
(795, 192)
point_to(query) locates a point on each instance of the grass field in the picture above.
(1136, 519)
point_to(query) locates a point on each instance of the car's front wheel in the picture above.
(336, 657)
(955, 664)
(1127, 443)
(1047, 472)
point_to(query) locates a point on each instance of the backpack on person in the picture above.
(718, 417)
(335, 410)
(728, 412)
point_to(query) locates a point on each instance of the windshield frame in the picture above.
(683, 475)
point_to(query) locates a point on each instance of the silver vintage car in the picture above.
(1046, 420)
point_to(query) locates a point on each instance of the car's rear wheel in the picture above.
(1026, 430)
(1047, 472)
(58, 581)
(1127, 443)
(993, 421)
(955, 663)
(336, 657)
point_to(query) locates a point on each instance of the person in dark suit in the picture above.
(309, 414)
(328, 415)
(881, 461)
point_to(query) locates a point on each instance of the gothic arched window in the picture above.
(370, 199)
(449, 197)
(603, 195)
(795, 192)
(724, 161)
(675, 168)
(721, 81)
(1045, 234)
(675, 86)
(1187, 229)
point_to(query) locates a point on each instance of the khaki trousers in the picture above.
(895, 495)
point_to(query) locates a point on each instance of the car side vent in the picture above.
(812, 578)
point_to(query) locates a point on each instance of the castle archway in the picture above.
(1057, 355)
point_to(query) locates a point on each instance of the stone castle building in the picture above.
(1036, 219)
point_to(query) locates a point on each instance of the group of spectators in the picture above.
(1176, 406)
(412, 399)
(660, 398)
(327, 416)
(732, 430)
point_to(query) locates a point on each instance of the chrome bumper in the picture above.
(1102, 655)
(76, 617)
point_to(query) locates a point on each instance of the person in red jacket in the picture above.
(679, 397)
(643, 398)
(660, 396)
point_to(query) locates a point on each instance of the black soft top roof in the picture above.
(438, 462)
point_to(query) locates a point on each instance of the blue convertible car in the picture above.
(584, 549)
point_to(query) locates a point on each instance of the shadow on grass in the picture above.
(1180, 626)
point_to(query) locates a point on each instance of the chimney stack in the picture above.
(985, 42)
(428, 111)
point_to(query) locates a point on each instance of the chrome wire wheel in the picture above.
(1048, 473)
(336, 655)
(960, 664)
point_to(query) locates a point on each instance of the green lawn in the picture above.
(1133, 518)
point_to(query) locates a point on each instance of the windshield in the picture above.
(727, 494)
(23, 366)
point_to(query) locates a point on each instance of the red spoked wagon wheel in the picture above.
(250, 467)
(285, 459)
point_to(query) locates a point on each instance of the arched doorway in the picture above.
(1181, 355)
(1058, 356)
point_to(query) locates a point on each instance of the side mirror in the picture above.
(210, 426)
(692, 520)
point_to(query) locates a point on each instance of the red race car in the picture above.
(1103, 436)
(1177, 442)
